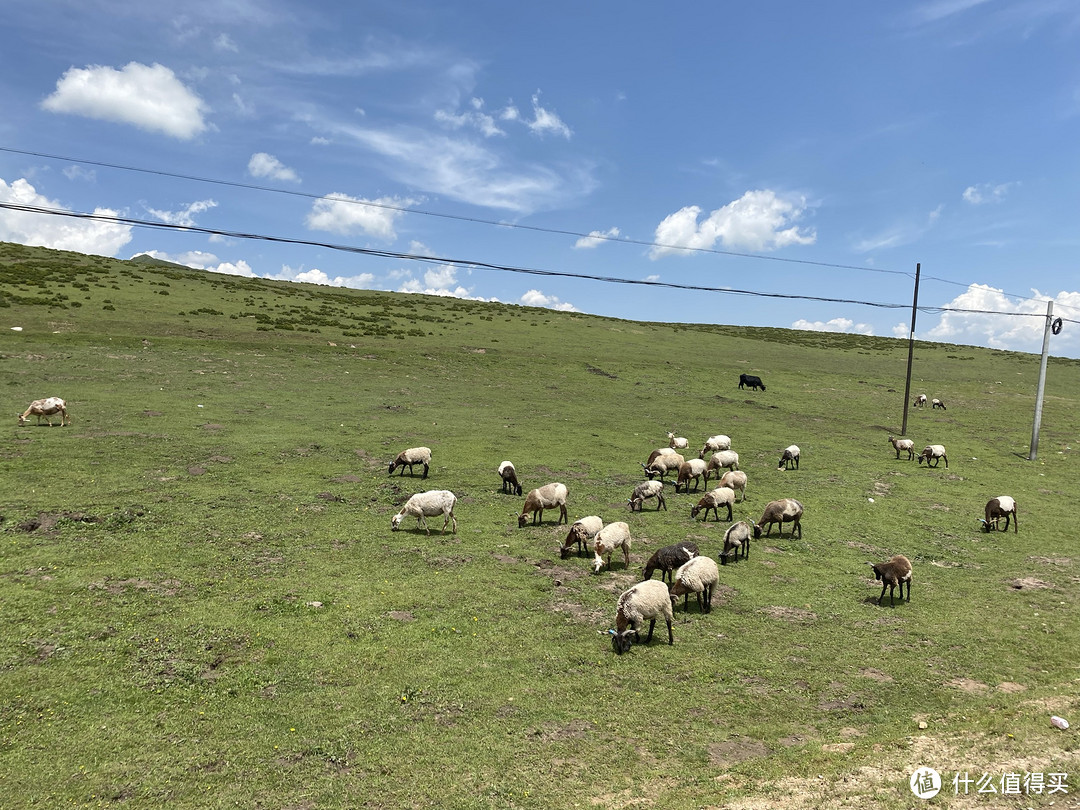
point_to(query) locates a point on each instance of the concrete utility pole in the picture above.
(911, 349)
(1042, 381)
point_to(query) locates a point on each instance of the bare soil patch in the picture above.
(1029, 583)
(789, 614)
(735, 750)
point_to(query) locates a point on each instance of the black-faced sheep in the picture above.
(414, 455)
(736, 539)
(789, 457)
(46, 407)
(784, 510)
(546, 497)
(644, 491)
(667, 559)
(937, 403)
(689, 470)
(698, 575)
(736, 480)
(752, 381)
(721, 460)
(612, 536)
(935, 453)
(646, 600)
(509, 478)
(714, 443)
(895, 572)
(919, 400)
(677, 442)
(661, 464)
(428, 504)
(580, 534)
(905, 445)
(714, 498)
(1003, 506)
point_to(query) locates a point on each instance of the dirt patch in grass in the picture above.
(729, 752)
(401, 615)
(47, 521)
(212, 426)
(586, 615)
(347, 479)
(114, 587)
(875, 675)
(152, 413)
(1029, 584)
(1062, 561)
(789, 614)
(1010, 688)
(968, 685)
(196, 470)
(552, 732)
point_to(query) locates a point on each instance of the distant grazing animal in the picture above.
(919, 400)
(895, 572)
(660, 464)
(736, 480)
(1003, 506)
(669, 558)
(612, 536)
(414, 455)
(784, 510)
(691, 469)
(937, 403)
(698, 575)
(789, 456)
(646, 600)
(736, 539)
(905, 445)
(713, 499)
(644, 491)
(721, 460)
(428, 504)
(714, 443)
(933, 452)
(46, 407)
(581, 533)
(509, 478)
(751, 380)
(546, 497)
(677, 442)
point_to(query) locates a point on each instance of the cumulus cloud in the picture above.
(596, 238)
(264, 165)
(185, 217)
(362, 281)
(59, 232)
(201, 260)
(985, 193)
(535, 298)
(759, 220)
(1006, 324)
(149, 97)
(845, 325)
(441, 280)
(340, 213)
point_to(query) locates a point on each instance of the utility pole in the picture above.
(1042, 381)
(911, 349)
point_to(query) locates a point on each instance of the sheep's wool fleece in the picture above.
(698, 573)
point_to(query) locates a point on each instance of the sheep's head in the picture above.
(877, 571)
(694, 510)
(393, 464)
(622, 642)
(395, 521)
(522, 520)
(757, 531)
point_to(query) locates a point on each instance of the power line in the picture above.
(468, 264)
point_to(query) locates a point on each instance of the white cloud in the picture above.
(79, 173)
(759, 220)
(544, 121)
(264, 165)
(901, 234)
(902, 330)
(476, 118)
(59, 232)
(845, 325)
(224, 42)
(1020, 327)
(596, 238)
(314, 276)
(985, 193)
(201, 260)
(185, 217)
(535, 298)
(149, 97)
(340, 213)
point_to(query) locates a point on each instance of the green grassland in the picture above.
(202, 604)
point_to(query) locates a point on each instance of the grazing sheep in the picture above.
(677, 442)
(698, 575)
(907, 445)
(46, 407)
(669, 558)
(646, 600)
(414, 455)
(789, 456)
(644, 491)
(662, 464)
(612, 536)
(736, 480)
(714, 443)
(692, 469)
(919, 400)
(751, 380)
(937, 403)
(721, 496)
(1003, 506)
(737, 538)
(428, 504)
(895, 572)
(722, 460)
(546, 497)
(933, 452)
(785, 510)
(509, 478)
(580, 533)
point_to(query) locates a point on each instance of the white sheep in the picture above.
(933, 452)
(691, 469)
(660, 464)
(546, 497)
(644, 491)
(428, 504)
(784, 510)
(1003, 506)
(509, 478)
(937, 403)
(46, 407)
(646, 600)
(612, 536)
(698, 575)
(737, 538)
(905, 445)
(919, 400)
(722, 460)
(789, 456)
(580, 534)
(714, 443)
(721, 496)
(677, 442)
(736, 480)
(414, 455)
(895, 572)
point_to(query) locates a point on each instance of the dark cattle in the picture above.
(752, 381)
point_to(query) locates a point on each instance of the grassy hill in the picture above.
(204, 606)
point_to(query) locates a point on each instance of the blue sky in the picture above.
(794, 149)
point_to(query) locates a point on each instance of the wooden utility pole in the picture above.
(1042, 381)
(911, 349)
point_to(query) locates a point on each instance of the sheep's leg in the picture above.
(880, 598)
(562, 514)
(425, 471)
(660, 502)
(626, 557)
(652, 624)
(729, 515)
(670, 637)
